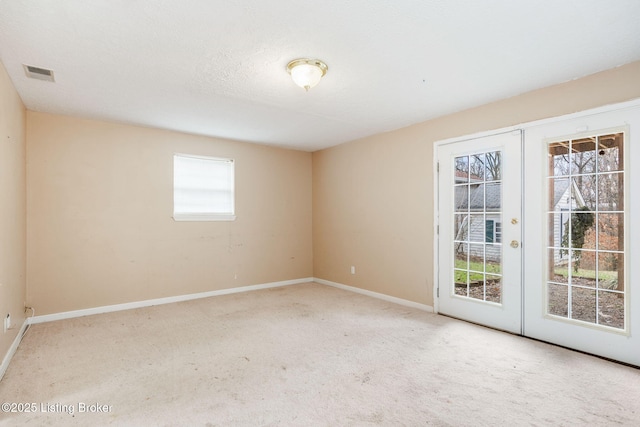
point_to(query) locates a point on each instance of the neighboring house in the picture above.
(482, 226)
(564, 201)
(479, 219)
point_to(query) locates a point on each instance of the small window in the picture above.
(203, 188)
(493, 231)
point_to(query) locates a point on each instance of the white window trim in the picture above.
(177, 216)
(206, 216)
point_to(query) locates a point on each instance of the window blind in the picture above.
(203, 188)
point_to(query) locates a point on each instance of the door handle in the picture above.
(514, 244)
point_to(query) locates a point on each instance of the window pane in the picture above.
(461, 278)
(461, 201)
(581, 273)
(558, 300)
(493, 288)
(611, 309)
(476, 228)
(583, 229)
(583, 192)
(476, 198)
(583, 304)
(611, 231)
(610, 152)
(560, 195)
(610, 187)
(476, 256)
(461, 227)
(493, 196)
(558, 224)
(494, 263)
(493, 166)
(462, 169)
(610, 270)
(477, 167)
(559, 266)
(461, 255)
(583, 156)
(203, 185)
(559, 158)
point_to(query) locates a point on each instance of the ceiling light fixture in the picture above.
(307, 73)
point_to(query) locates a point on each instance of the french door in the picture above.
(479, 251)
(582, 204)
(538, 232)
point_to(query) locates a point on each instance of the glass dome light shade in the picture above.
(307, 73)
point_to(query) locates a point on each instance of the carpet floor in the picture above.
(304, 355)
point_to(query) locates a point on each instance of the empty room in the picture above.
(341, 213)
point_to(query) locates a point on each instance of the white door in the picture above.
(581, 233)
(478, 246)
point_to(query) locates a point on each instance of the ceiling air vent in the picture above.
(38, 73)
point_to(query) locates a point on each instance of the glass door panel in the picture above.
(586, 239)
(477, 216)
(478, 280)
(580, 284)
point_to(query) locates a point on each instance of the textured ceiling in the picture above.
(218, 67)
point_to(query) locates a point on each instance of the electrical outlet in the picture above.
(353, 269)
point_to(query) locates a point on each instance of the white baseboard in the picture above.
(169, 300)
(158, 301)
(13, 349)
(384, 297)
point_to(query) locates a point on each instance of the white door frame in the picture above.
(507, 314)
(618, 344)
(635, 206)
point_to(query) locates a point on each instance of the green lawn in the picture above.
(587, 274)
(494, 268)
(474, 267)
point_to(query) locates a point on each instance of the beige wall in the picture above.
(100, 227)
(12, 210)
(99, 201)
(373, 198)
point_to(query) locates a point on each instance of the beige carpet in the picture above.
(305, 355)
